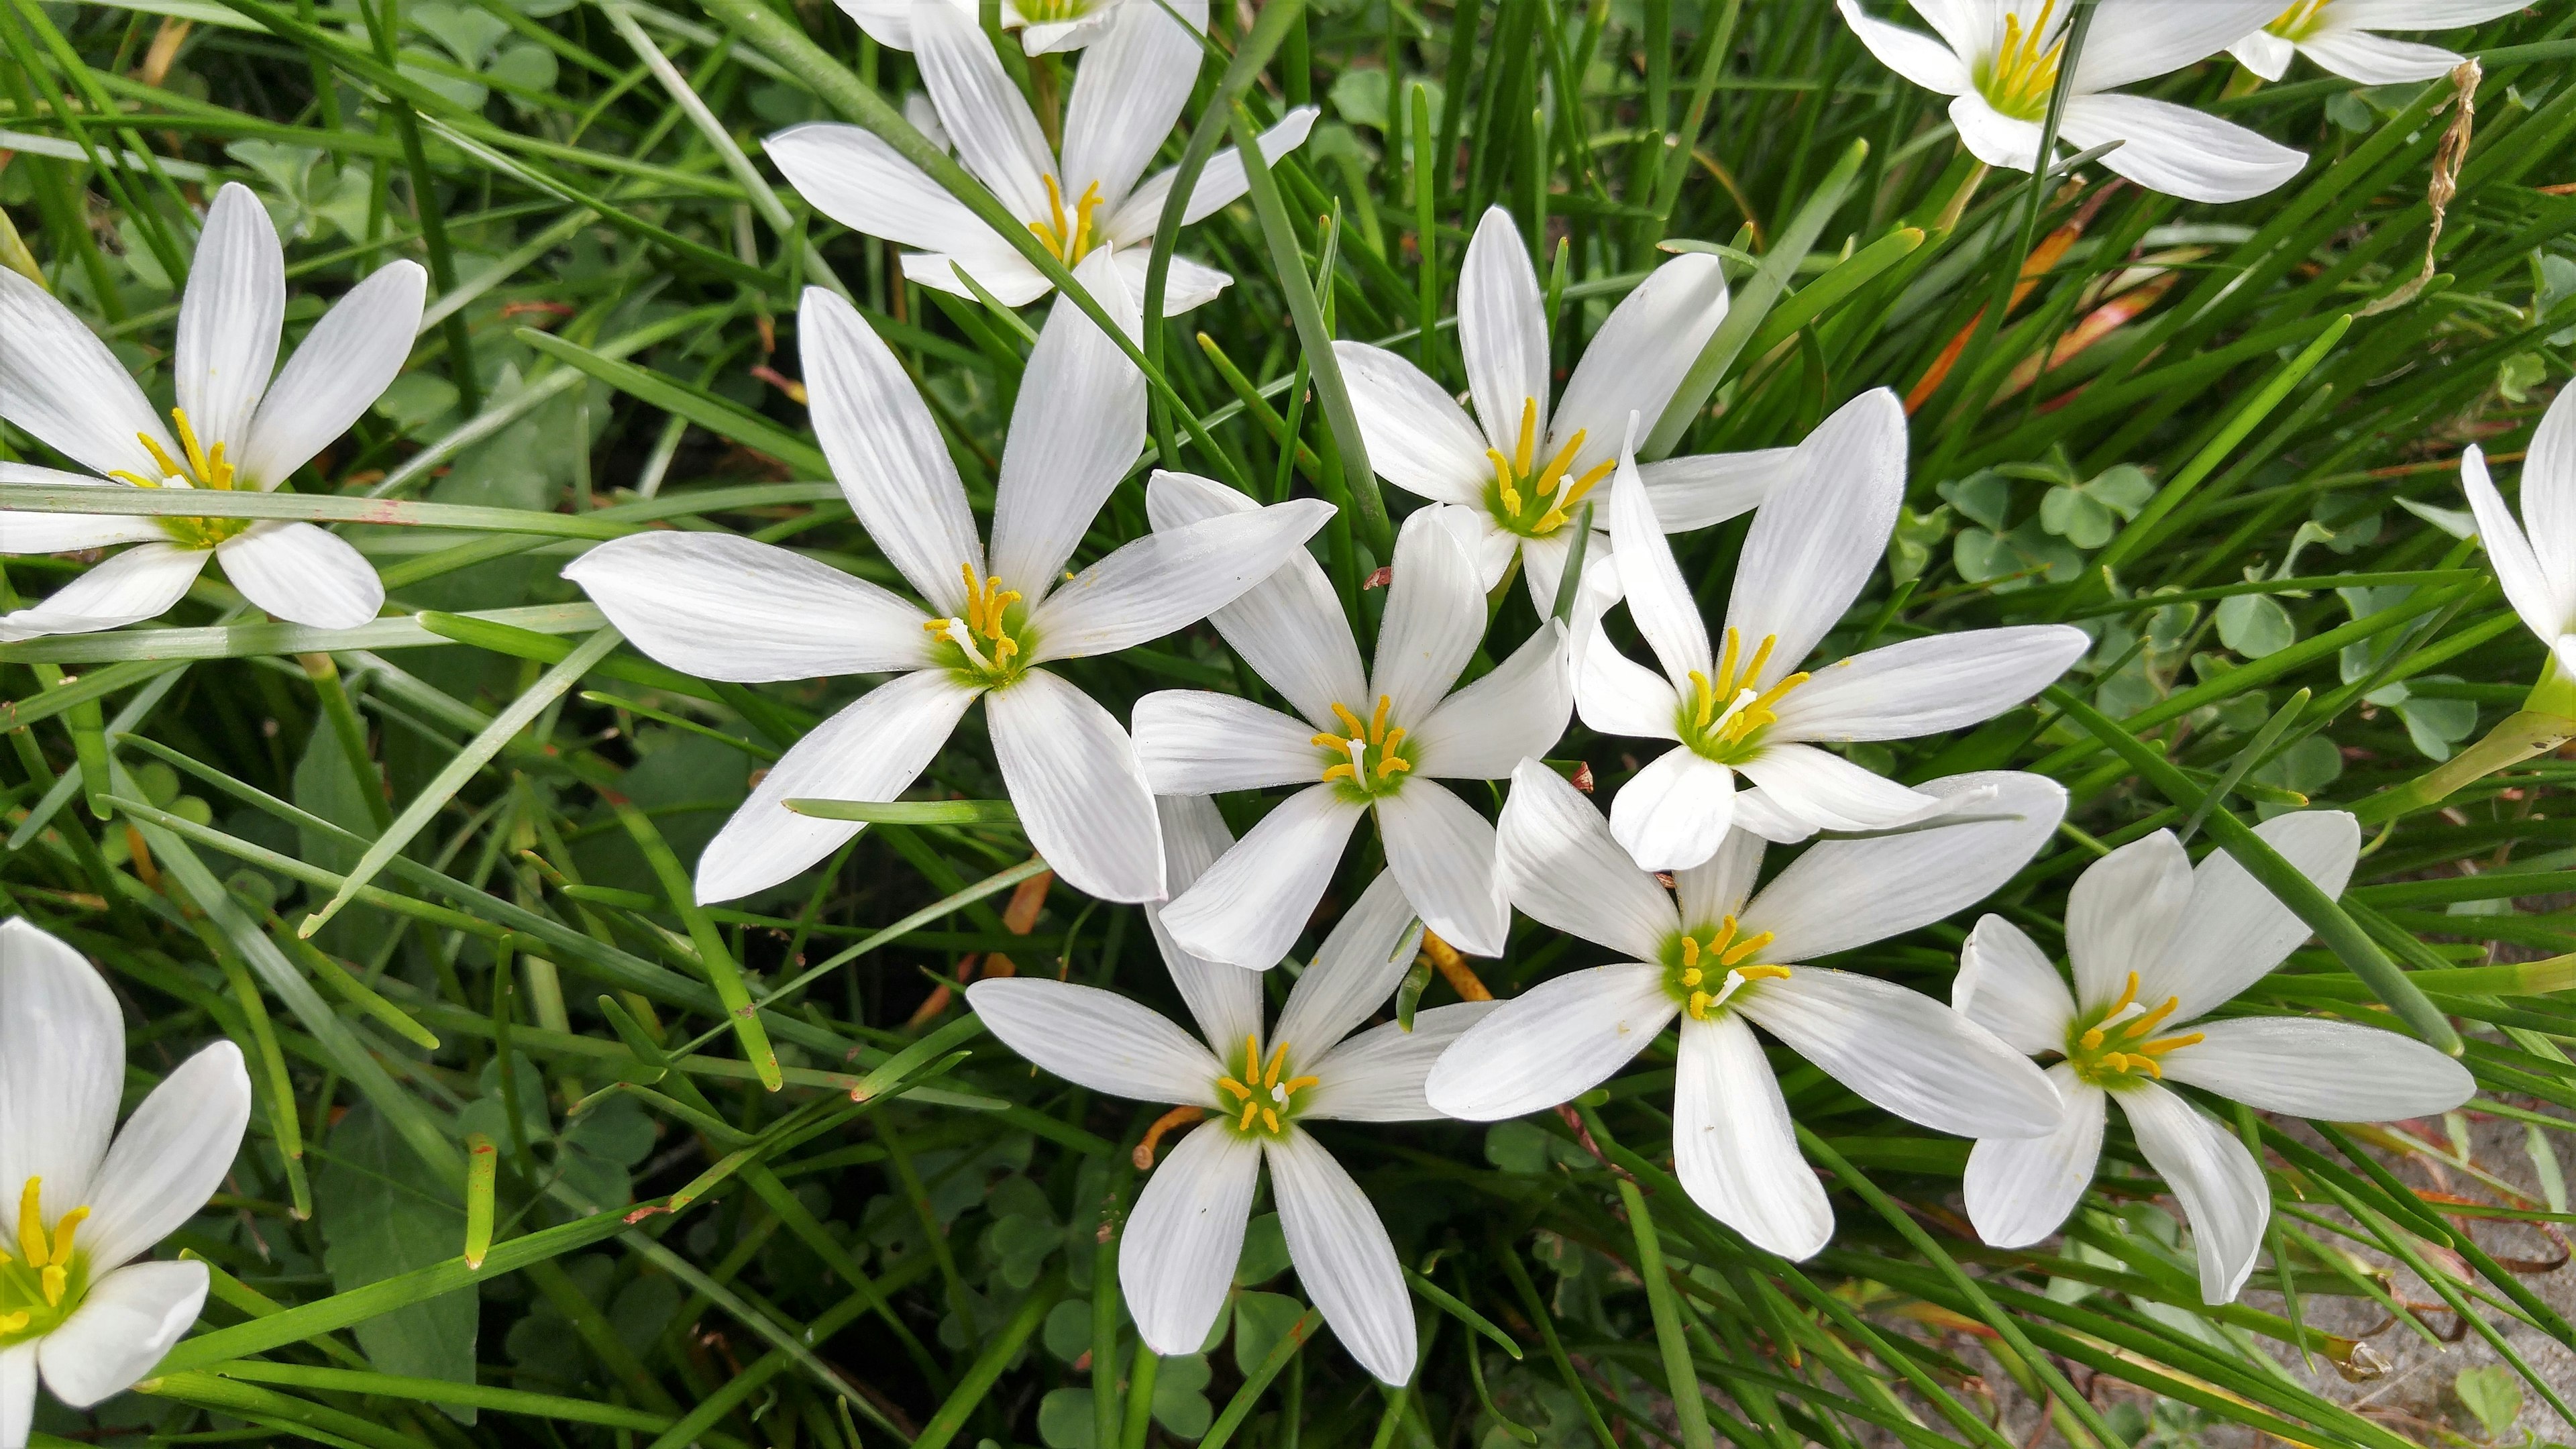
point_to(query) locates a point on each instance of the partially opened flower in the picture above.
(1376, 744)
(73, 1302)
(2340, 36)
(233, 428)
(2156, 945)
(1129, 91)
(1044, 25)
(1512, 479)
(2535, 561)
(1747, 705)
(730, 608)
(1260, 1090)
(1722, 964)
(1998, 61)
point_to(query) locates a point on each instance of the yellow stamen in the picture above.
(56, 1277)
(137, 479)
(1250, 1110)
(1377, 721)
(1392, 766)
(2170, 1043)
(1725, 670)
(1351, 725)
(1343, 771)
(2093, 1040)
(1294, 1085)
(11, 1323)
(1269, 1119)
(168, 468)
(62, 1248)
(1692, 975)
(1529, 437)
(1699, 1002)
(2147, 1023)
(1747, 947)
(201, 470)
(1706, 694)
(1237, 1088)
(1278, 1060)
(1762, 973)
(1690, 959)
(31, 1224)
(1591, 476)
(2128, 995)
(1323, 741)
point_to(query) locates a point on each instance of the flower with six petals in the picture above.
(2535, 560)
(2341, 36)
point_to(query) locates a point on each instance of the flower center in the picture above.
(46, 1278)
(1704, 969)
(1264, 1099)
(2118, 1045)
(1366, 760)
(1724, 718)
(1053, 12)
(207, 468)
(2295, 22)
(993, 617)
(2021, 75)
(1070, 239)
(1534, 506)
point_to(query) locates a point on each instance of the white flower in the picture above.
(73, 1302)
(1129, 91)
(1378, 743)
(2336, 34)
(1044, 25)
(235, 430)
(1998, 59)
(1177, 1259)
(2156, 945)
(1510, 479)
(1722, 964)
(2536, 569)
(1747, 707)
(729, 608)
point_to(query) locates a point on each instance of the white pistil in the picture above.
(965, 639)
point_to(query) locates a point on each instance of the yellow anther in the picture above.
(1343, 771)
(1351, 725)
(31, 1224)
(201, 469)
(1278, 1060)
(1747, 947)
(1699, 1003)
(1269, 1119)
(1231, 1085)
(1726, 663)
(2093, 1040)
(1323, 741)
(2147, 1023)
(2128, 995)
(1529, 438)
(1692, 975)
(1690, 960)
(55, 1277)
(1392, 766)
(1706, 696)
(62, 1248)
(2162, 1045)
(137, 479)
(13, 1322)
(1377, 720)
(1592, 476)
(1724, 933)
(1250, 1110)
(1394, 737)
(1294, 1085)
(1761, 973)
(168, 468)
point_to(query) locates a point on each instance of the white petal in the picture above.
(1224, 1000)
(1519, 710)
(724, 607)
(1098, 1039)
(1378, 1075)
(67, 532)
(1289, 627)
(1906, 1052)
(1081, 795)
(1618, 696)
(2122, 911)
(2338, 1071)
(303, 572)
(1638, 358)
(2376, 60)
(62, 385)
(1488, 543)
(1176, 1259)
(1551, 1044)
(1199, 742)
(1674, 813)
(2549, 500)
(1000, 271)
(1756, 815)
(1659, 598)
(1129, 91)
(1502, 332)
(62, 1066)
(1078, 426)
(1927, 685)
(1910, 53)
(888, 22)
(2006, 985)
(1846, 893)
(1355, 973)
(1186, 286)
(1813, 546)
(170, 1158)
(1344, 1258)
(229, 319)
(18, 1392)
(1220, 182)
(1056, 37)
(2527, 586)
(345, 363)
(2218, 1183)
(2263, 53)
(2020, 1188)
(1543, 567)
(2177, 150)
(130, 1319)
(1705, 489)
(1560, 865)
(140, 583)
(2417, 14)
(1248, 908)
(885, 451)
(1993, 137)
(2134, 40)
(996, 136)
(1435, 617)
(854, 177)
(1968, 28)
(1418, 439)
(1734, 1147)
(1831, 793)
(1711, 891)
(2234, 931)
(1444, 853)
(1169, 580)
(872, 750)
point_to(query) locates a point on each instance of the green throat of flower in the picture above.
(989, 645)
(1724, 717)
(1703, 969)
(1261, 1101)
(2295, 22)
(1367, 759)
(2018, 80)
(206, 468)
(1531, 503)
(46, 1278)
(2118, 1046)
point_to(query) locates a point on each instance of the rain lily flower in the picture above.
(1998, 61)
(1044, 25)
(1362, 744)
(1511, 479)
(1259, 1091)
(1747, 706)
(2156, 945)
(2536, 569)
(2338, 36)
(234, 429)
(73, 1302)
(1127, 95)
(1701, 952)
(728, 608)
